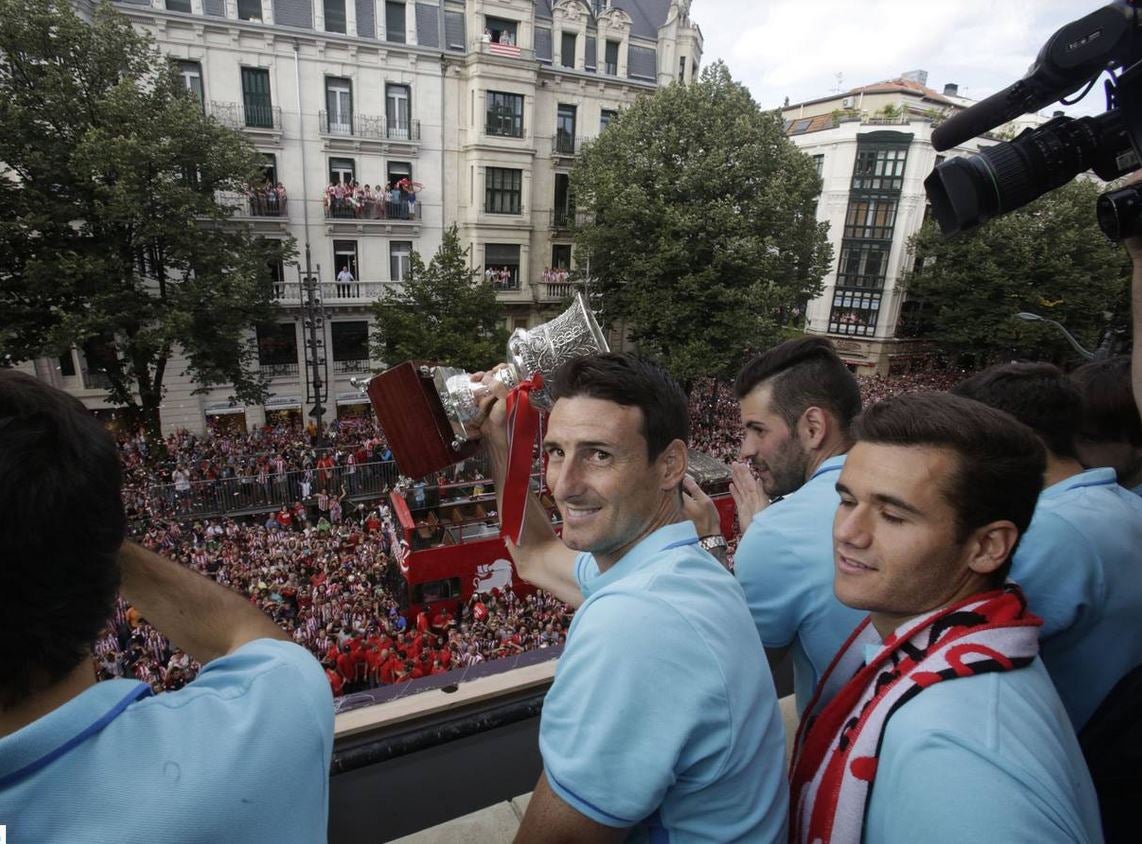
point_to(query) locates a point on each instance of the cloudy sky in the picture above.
(796, 48)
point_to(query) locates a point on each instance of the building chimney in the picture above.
(951, 89)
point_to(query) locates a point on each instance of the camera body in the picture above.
(969, 190)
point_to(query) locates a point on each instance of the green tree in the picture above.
(443, 312)
(700, 224)
(110, 228)
(1048, 258)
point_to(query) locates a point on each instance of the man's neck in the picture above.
(1059, 469)
(81, 678)
(834, 448)
(668, 514)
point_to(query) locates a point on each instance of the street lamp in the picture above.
(1030, 317)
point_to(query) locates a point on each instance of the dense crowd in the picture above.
(392, 201)
(326, 569)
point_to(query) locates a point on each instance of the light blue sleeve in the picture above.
(773, 578)
(632, 695)
(937, 790)
(1059, 571)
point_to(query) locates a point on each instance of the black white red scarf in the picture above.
(838, 743)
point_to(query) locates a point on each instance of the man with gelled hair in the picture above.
(205, 761)
(662, 721)
(797, 402)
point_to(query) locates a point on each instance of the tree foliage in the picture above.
(110, 229)
(443, 312)
(700, 224)
(1049, 258)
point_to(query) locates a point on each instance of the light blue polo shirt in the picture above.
(990, 757)
(785, 565)
(1080, 566)
(661, 716)
(240, 754)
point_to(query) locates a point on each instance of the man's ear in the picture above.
(813, 427)
(990, 546)
(672, 464)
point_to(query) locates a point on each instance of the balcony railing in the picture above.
(558, 289)
(370, 126)
(96, 379)
(511, 51)
(565, 218)
(330, 292)
(345, 208)
(562, 144)
(279, 370)
(350, 367)
(260, 203)
(247, 116)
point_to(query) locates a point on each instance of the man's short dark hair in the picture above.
(1000, 461)
(630, 381)
(63, 523)
(805, 373)
(1037, 394)
(1109, 411)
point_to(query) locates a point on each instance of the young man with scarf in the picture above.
(936, 721)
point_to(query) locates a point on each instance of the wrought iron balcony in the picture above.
(371, 126)
(382, 209)
(279, 370)
(251, 115)
(254, 203)
(564, 144)
(350, 367)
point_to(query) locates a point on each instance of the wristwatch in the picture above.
(712, 542)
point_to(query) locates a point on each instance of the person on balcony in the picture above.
(345, 282)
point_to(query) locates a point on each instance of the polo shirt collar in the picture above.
(63, 728)
(640, 556)
(832, 464)
(1103, 476)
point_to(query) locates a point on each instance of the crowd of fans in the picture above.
(267, 200)
(394, 201)
(326, 568)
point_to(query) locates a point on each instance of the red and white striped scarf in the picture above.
(835, 754)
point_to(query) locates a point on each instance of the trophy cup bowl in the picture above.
(427, 411)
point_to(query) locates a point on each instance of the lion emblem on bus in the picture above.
(494, 575)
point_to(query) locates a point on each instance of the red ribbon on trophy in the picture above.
(523, 424)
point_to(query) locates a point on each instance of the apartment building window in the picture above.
(611, 58)
(561, 256)
(335, 16)
(561, 215)
(345, 258)
(854, 312)
(682, 69)
(178, 6)
(277, 348)
(398, 110)
(350, 346)
(505, 114)
(275, 271)
(249, 10)
(400, 259)
(567, 49)
(270, 168)
(863, 265)
(398, 170)
(191, 75)
(501, 265)
(501, 31)
(871, 217)
(67, 364)
(605, 118)
(342, 171)
(339, 106)
(565, 129)
(819, 164)
(503, 190)
(880, 169)
(394, 22)
(256, 99)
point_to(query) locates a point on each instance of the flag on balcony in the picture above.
(497, 48)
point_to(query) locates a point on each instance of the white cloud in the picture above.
(795, 48)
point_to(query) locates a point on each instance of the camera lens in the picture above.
(1120, 212)
(970, 190)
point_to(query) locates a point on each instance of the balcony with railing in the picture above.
(351, 367)
(261, 202)
(566, 145)
(379, 207)
(505, 50)
(254, 116)
(279, 370)
(331, 292)
(567, 218)
(96, 379)
(368, 126)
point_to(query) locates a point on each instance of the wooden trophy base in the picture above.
(409, 411)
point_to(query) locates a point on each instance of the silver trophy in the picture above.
(542, 349)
